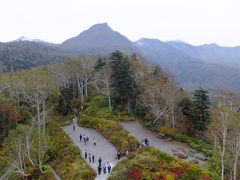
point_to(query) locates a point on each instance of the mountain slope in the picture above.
(208, 65)
(99, 39)
(211, 53)
(25, 54)
(190, 71)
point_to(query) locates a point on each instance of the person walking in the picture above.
(73, 127)
(89, 157)
(87, 139)
(118, 155)
(104, 169)
(100, 161)
(94, 141)
(146, 141)
(93, 158)
(99, 170)
(109, 167)
(86, 154)
(80, 137)
(84, 139)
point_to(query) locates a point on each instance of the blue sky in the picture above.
(193, 21)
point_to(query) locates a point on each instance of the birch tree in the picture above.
(171, 96)
(36, 91)
(220, 125)
(18, 147)
(153, 100)
(233, 145)
(102, 82)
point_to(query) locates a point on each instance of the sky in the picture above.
(193, 21)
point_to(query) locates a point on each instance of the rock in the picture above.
(182, 156)
(194, 161)
(201, 158)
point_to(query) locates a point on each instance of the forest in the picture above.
(36, 103)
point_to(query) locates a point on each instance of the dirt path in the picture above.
(103, 148)
(169, 147)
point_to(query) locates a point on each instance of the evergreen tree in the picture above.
(123, 81)
(100, 63)
(186, 106)
(65, 100)
(200, 111)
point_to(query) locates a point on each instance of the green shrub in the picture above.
(112, 131)
(98, 107)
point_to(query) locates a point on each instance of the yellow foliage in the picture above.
(167, 130)
(169, 177)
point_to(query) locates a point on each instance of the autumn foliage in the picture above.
(9, 112)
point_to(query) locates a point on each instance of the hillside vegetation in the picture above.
(101, 92)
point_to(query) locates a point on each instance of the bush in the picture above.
(98, 107)
(150, 163)
(112, 131)
(167, 130)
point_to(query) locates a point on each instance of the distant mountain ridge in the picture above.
(23, 38)
(191, 65)
(208, 65)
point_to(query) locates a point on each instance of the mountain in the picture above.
(208, 65)
(23, 38)
(211, 53)
(190, 67)
(99, 39)
(23, 54)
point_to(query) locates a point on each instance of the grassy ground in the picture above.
(4, 160)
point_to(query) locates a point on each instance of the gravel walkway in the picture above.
(103, 148)
(169, 147)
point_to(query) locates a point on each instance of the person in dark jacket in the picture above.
(100, 161)
(109, 167)
(118, 155)
(89, 157)
(93, 158)
(86, 154)
(80, 137)
(104, 169)
(99, 170)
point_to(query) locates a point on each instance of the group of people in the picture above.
(86, 139)
(89, 157)
(102, 167)
(105, 167)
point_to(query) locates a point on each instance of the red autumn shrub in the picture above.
(9, 111)
(206, 178)
(134, 174)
